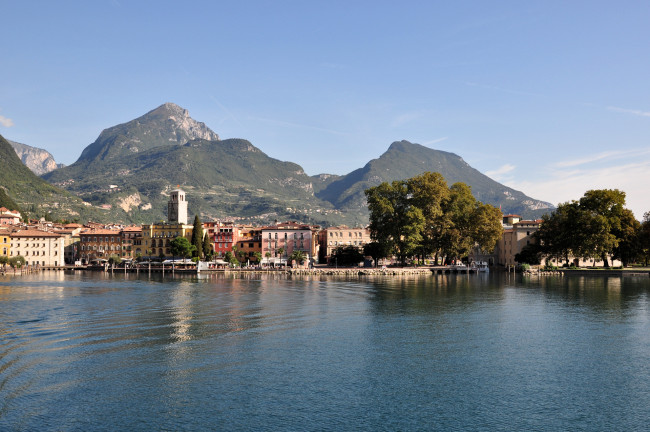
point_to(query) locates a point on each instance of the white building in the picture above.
(38, 247)
(177, 207)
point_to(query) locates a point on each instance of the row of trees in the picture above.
(423, 216)
(597, 226)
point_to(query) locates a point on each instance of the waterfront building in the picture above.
(177, 207)
(289, 236)
(9, 217)
(516, 234)
(70, 235)
(99, 244)
(157, 237)
(250, 241)
(38, 247)
(334, 237)
(5, 242)
(131, 239)
(223, 236)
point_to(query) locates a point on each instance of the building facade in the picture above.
(177, 207)
(334, 237)
(281, 240)
(39, 248)
(99, 244)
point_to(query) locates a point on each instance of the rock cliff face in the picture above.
(168, 124)
(39, 161)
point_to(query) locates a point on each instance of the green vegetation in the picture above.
(298, 256)
(421, 215)
(208, 250)
(23, 190)
(346, 256)
(376, 251)
(197, 237)
(114, 260)
(17, 261)
(595, 227)
(182, 247)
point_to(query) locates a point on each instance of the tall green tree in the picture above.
(604, 209)
(644, 239)
(429, 192)
(376, 251)
(394, 220)
(629, 239)
(197, 237)
(182, 247)
(208, 250)
(457, 226)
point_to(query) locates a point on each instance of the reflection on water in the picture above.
(139, 352)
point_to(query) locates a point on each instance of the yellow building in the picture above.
(157, 238)
(5, 243)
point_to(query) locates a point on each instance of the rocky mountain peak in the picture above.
(39, 161)
(169, 124)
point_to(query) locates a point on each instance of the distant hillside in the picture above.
(403, 160)
(36, 159)
(33, 194)
(130, 168)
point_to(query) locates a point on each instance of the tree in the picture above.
(298, 256)
(457, 227)
(197, 237)
(486, 226)
(530, 254)
(258, 256)
(347, 256)
(281, 252)
(605, 210)
(17, 262)
(629, 239)
(394, 220)
(4, 260)
(268, 255)
(182, 247)
(644, 239)
(114, 260)
(429, 192)
(208, 250)
(376, 251)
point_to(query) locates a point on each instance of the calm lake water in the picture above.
(491, 352)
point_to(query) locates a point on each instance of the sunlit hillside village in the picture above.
(47, 244)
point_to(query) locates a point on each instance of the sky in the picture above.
(548, 97)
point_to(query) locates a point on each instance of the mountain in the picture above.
(168, 124)
(130, 168)
(36, 196)
(36, 159)
(403, 160)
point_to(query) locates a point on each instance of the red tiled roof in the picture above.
(34, 233)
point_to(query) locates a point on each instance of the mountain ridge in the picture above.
(131, 166)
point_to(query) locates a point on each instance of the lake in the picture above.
(95, 351)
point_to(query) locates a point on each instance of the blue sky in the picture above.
(551, 98)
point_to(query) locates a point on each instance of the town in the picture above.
(45, 244)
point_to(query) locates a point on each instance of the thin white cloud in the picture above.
(435, 141)
(558, 186)
(499, 172)
(604, 156)
(405, 118)
(629, 111)
(6, 122)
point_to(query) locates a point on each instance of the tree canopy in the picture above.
(182, 247)
(423, 215)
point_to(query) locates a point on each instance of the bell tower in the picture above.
(177, 207)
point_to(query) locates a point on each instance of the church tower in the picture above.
(177, 207)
